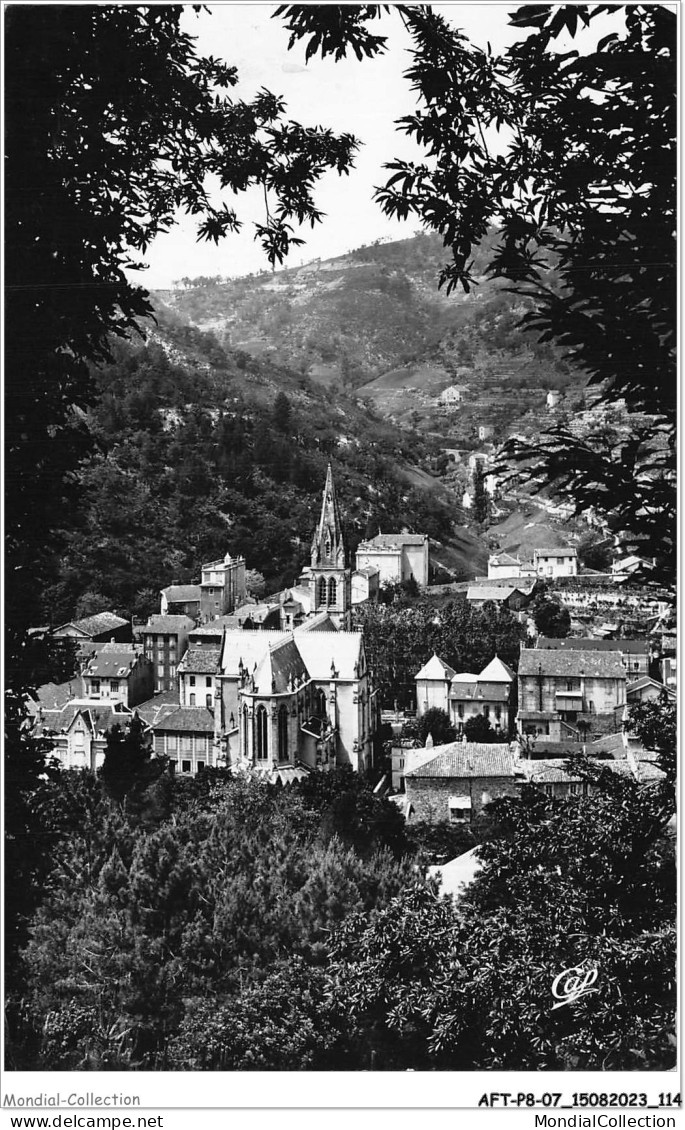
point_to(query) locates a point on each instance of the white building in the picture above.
(397, 557)
(561, 561)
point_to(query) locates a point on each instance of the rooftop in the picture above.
(392, 541)
(200, 661)
(184, 719)
(592, 664)
(467, 759)
(585, 643)
(557, 551)
(169, 624)
(114, 661)
(435, 668)
(178, 594)
(97, 624)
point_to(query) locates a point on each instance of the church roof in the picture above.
(435, 668)
(497, 672)
(280, 666)
(328, 548)
(318, 650)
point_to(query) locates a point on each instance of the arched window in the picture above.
(261, 733)
(283, 733)
(245, 732)
(322, 590)
(322, 705)
(331, 590)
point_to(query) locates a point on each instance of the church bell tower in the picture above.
(331, 582)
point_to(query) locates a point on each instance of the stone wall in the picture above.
(429, 796)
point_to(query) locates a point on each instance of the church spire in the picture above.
(328, 548)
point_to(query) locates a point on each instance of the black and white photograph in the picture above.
(340, 642)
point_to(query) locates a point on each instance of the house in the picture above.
(503, 565)
(553, 398)
(485, 431)
(459, 780)
(646, 689)
(551, 775)
(198, 677)
(396, 557)
(365, 585)
(181, 600)
(185, 734)
(433, 684)
(635, 653)
(165, 642)
(487, 694)
(222, 587)
(453, 396)
(77, 731)
(627, 566)
(286, 698)
(103, 627)
(512, 596)
(559, 562)
(118, 673)
(405, 756)
(563, 693)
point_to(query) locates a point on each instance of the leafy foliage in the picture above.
(400, 640)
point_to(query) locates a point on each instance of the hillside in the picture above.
(374, 321)
(201, 449)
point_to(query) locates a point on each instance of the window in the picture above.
(186, 743)
(185, 766)
(322, 590)
(172, 670)
(200, 766)
(460, 710)
(160, 670)
(78, 738)
(191, 680)
(171, 743)
(459, 815)
(209, 701)
(191, 700)
(208, 681)
(283, 733)
(321, 703)
(486, 710)
(95, 686)
(332, 590)
(114, 686)
(149, 642)
(261, 734)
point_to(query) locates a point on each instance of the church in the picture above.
(287, 701)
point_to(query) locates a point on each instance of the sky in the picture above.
(364, 98)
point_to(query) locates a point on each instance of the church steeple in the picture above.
(330, 582)
(328, 547)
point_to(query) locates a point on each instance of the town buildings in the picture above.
(560, 561)
(465, 695)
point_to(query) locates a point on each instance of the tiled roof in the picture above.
(548, 771)
(490, 592)
(169, 624)
(463, 689)
(53, 696)
(504, 559)
(151, 709)
(368, 571)
(97, 624)
(392, 541)
(114, 661)
(556, 551)
(436, 668)
(200, 661)
(594, 664)
(467, 759)
(98, 717)
(584, 643)
(613, 744)
(184, 719)
(178, 594)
